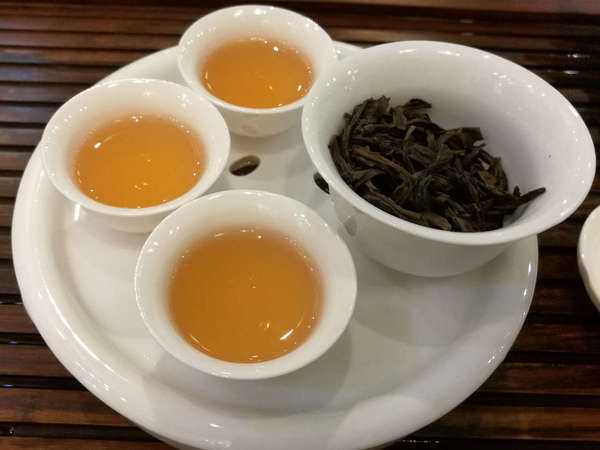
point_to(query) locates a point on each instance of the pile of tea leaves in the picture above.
(397, 159)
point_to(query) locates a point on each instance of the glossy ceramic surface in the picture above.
(117, 98)
(588, 256)
(246, 208)
(524, 120)
(254, 20)
(414, 349)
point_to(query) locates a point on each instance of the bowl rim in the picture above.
(190, 79)
(289, 362)
(482, 238)
(68, 189)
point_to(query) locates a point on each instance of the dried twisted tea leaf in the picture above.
(400, 161)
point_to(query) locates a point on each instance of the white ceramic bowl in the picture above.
(256, 208)
(588, 256)
(116, 98)
(541, 138)
(236, 22)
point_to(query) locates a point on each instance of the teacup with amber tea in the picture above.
(256, 64)
(131, 151)
(245, 284)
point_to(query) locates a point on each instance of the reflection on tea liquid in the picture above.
(245, 295)
(256, 73)
(138, 160)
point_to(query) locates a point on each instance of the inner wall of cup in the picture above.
(310, 42)
(102, 107)
(515, 117)
(227, 215)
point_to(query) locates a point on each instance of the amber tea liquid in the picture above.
(256, 73)
(245, 295)
(138, 160)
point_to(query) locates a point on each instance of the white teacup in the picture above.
(237, 22)
(112, 99)
(256, 208)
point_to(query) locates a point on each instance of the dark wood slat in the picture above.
(558, 266)
(516, 6)
(92, 432)
(5, 243)
(563, 300)
(462, 7)
(596, 184)
(569, 77)
(40, 382)
(148, 12)
(511, 399)
(406, 444)
(87, 40)
(26, 113)
(8, 188)
(21, 55)
(10, 299)
(14, 160)
(154, 25)
(416, 442)
(590, 114)
(21, 339)
(513, 422)
(578, 95)
(595, 133)
(53, 73)
(177, 26)
(588, 205)
(38, 92)
(562, 235)
(488, 41)
(546, 379)
(559, 338)
(14, 443)
(450, 24)
(572, 60)
(22, 136)
(55, 406)
(7, 280)
(30, 360)
(14, 319)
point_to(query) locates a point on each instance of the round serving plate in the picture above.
(415, 348)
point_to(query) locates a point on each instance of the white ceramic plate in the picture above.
(414, 350)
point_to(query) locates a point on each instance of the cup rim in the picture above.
(482, 238)
(305, 353)
(191, 79)
(68, 189)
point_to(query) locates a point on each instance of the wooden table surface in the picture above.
(545, 395)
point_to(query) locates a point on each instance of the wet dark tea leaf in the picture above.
(397, 159)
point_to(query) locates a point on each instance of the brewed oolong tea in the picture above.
(256, 73)
(397, 159)
(245, 294)
(138, 160)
